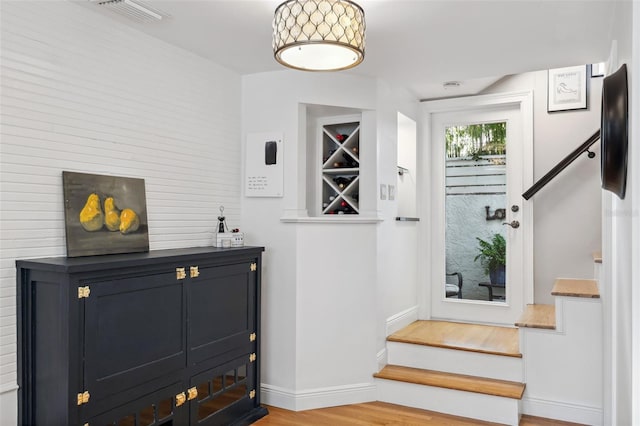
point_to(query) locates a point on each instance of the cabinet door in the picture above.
(134, 333)
(221, 312)
(225, 393)
(160, 408)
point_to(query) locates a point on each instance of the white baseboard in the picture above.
(9, 405)
(278, 397)
(401, 319)
(382, 358)
(317, 398)
(562, 411)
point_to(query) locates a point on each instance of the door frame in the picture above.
(429, 238)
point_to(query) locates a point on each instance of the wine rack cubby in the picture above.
(340, 151)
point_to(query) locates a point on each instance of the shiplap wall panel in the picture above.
(81, 92)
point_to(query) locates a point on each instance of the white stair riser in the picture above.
(563, 367)
(455, 361)
(459, 403)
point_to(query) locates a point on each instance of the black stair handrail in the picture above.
(562, 165)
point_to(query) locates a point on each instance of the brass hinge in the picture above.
(83, 397)
(252, 337)
(192, 393)
(83, 292)
(181, 274)
(252, 394)
(181, 398)
(193, 272)
(254, 267)
(252, 357)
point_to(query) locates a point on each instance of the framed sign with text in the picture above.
(264, 168)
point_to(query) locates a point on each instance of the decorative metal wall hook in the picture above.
(498, 214)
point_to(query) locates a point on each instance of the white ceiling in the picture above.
(418, 43)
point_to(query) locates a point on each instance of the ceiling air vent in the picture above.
(137, 10)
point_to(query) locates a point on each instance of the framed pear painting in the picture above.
(104, 214)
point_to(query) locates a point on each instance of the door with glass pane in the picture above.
(477, 218)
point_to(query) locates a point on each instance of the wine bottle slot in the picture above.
(349, 161)
(341, 181)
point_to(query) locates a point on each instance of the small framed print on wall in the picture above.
(567, 89)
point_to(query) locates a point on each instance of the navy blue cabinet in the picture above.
(169, 337)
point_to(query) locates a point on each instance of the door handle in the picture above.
(514, 224)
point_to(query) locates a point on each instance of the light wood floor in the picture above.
(382, 414)
(467, 337)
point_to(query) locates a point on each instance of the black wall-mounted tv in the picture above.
(614, 132)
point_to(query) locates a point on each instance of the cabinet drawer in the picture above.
(224, 393)
(221, 317)
(133, 333)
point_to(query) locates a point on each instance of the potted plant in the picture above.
(492, 255)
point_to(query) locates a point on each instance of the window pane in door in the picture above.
(475, 199)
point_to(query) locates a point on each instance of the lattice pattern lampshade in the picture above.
(319, 35)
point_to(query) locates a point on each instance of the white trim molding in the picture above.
(317, 398)
(562, 411)
(401, 319)
(338, 220)
(382, 358)
(430, 228)
(634, 166)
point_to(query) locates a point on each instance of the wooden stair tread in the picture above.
(538, 316)
(576, 288)
(597, 257)
(461, 382)
(466, 337)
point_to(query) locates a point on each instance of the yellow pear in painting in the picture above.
(129, 221)
(91, 214)
(111, 215)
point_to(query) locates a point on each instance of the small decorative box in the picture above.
(230, 239)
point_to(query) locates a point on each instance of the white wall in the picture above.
(407, 149)
(634, 189)
(620, 254)
(81, 92)
(397, 251)
(323, 318)
(567, 210)
(272, 102)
